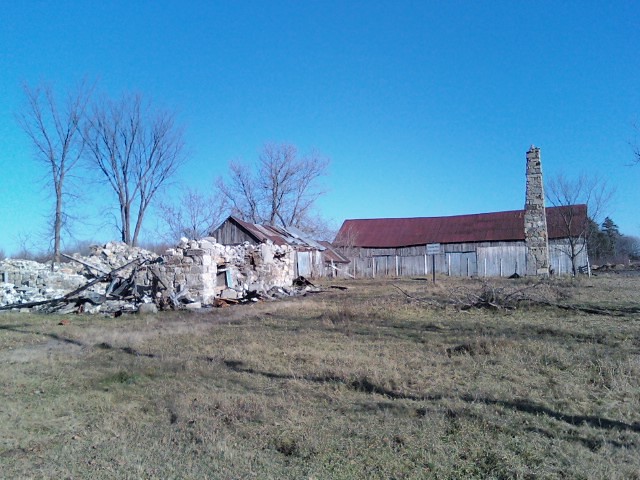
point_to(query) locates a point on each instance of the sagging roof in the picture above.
(277, 235)
(331, 255)
(482, 227)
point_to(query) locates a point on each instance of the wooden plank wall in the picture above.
(560, 256)
(460, 259)
(490, 259)
(230, 234)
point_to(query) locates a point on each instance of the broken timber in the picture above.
(69, 296)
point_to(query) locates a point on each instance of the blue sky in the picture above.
(425, 108)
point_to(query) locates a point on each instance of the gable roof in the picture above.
(482, 227)
(276, 235)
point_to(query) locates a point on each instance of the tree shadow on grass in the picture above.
(365, 385)
(55, 336)
(535, 409)
(362, 384)
(72, 341)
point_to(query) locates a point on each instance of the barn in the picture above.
(311, 258)
(533, 241)
(486, 244)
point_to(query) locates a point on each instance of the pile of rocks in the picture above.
(23, 281)
(116, 278)
(208, 270)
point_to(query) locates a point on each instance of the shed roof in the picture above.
(332, 255)
(481, 227)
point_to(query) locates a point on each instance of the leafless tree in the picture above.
(592, 191)
(193, 216)
(136, 149)
(54, 128)
(282, 190)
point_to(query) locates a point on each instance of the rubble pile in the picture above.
(208, 270)
(23, 281)
(116, 278)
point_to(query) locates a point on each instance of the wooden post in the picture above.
(433, 265)
(485, 267)
(396, 265)
(426, 270)
(449, 264)
(500, 266)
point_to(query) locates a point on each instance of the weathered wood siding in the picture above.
(560, 256)
(230, 234)
(482, 259)
(310, 264)
(502, 260)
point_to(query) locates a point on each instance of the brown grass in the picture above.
(365, 383)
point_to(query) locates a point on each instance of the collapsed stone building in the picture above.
(117, 278)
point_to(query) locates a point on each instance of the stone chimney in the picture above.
(536, 238)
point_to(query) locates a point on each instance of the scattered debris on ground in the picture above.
(116, 279)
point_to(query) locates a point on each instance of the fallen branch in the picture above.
(416, 299)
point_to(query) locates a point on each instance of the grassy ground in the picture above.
(371, 382)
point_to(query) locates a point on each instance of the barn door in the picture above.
(469, 264)
(462, 264)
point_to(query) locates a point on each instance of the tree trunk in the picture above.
(57, 225)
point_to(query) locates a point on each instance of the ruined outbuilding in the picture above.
(311, 258)
(116, 278)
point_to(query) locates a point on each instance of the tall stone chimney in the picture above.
(536, 238)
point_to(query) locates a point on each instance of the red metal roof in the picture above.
(482, 227)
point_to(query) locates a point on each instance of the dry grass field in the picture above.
(392, 378)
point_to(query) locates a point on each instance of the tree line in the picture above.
(608, 245)
(600, 237)
(135, 148)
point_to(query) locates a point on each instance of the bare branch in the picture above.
(591, 191)
(54, 128)
(283, 189)
(137, 149)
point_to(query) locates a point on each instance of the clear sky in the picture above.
(426, 108)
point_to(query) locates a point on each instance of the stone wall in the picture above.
(206, 269)
(535, 220)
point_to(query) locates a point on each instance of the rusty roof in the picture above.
(481, 227)
(277, 235)
(330, 254)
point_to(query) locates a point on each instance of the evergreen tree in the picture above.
(598, 242)
(612, 236)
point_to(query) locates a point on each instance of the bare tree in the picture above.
(193, 216)
(281, 191)
(54, 128)
(136, 149)
(584, 190)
